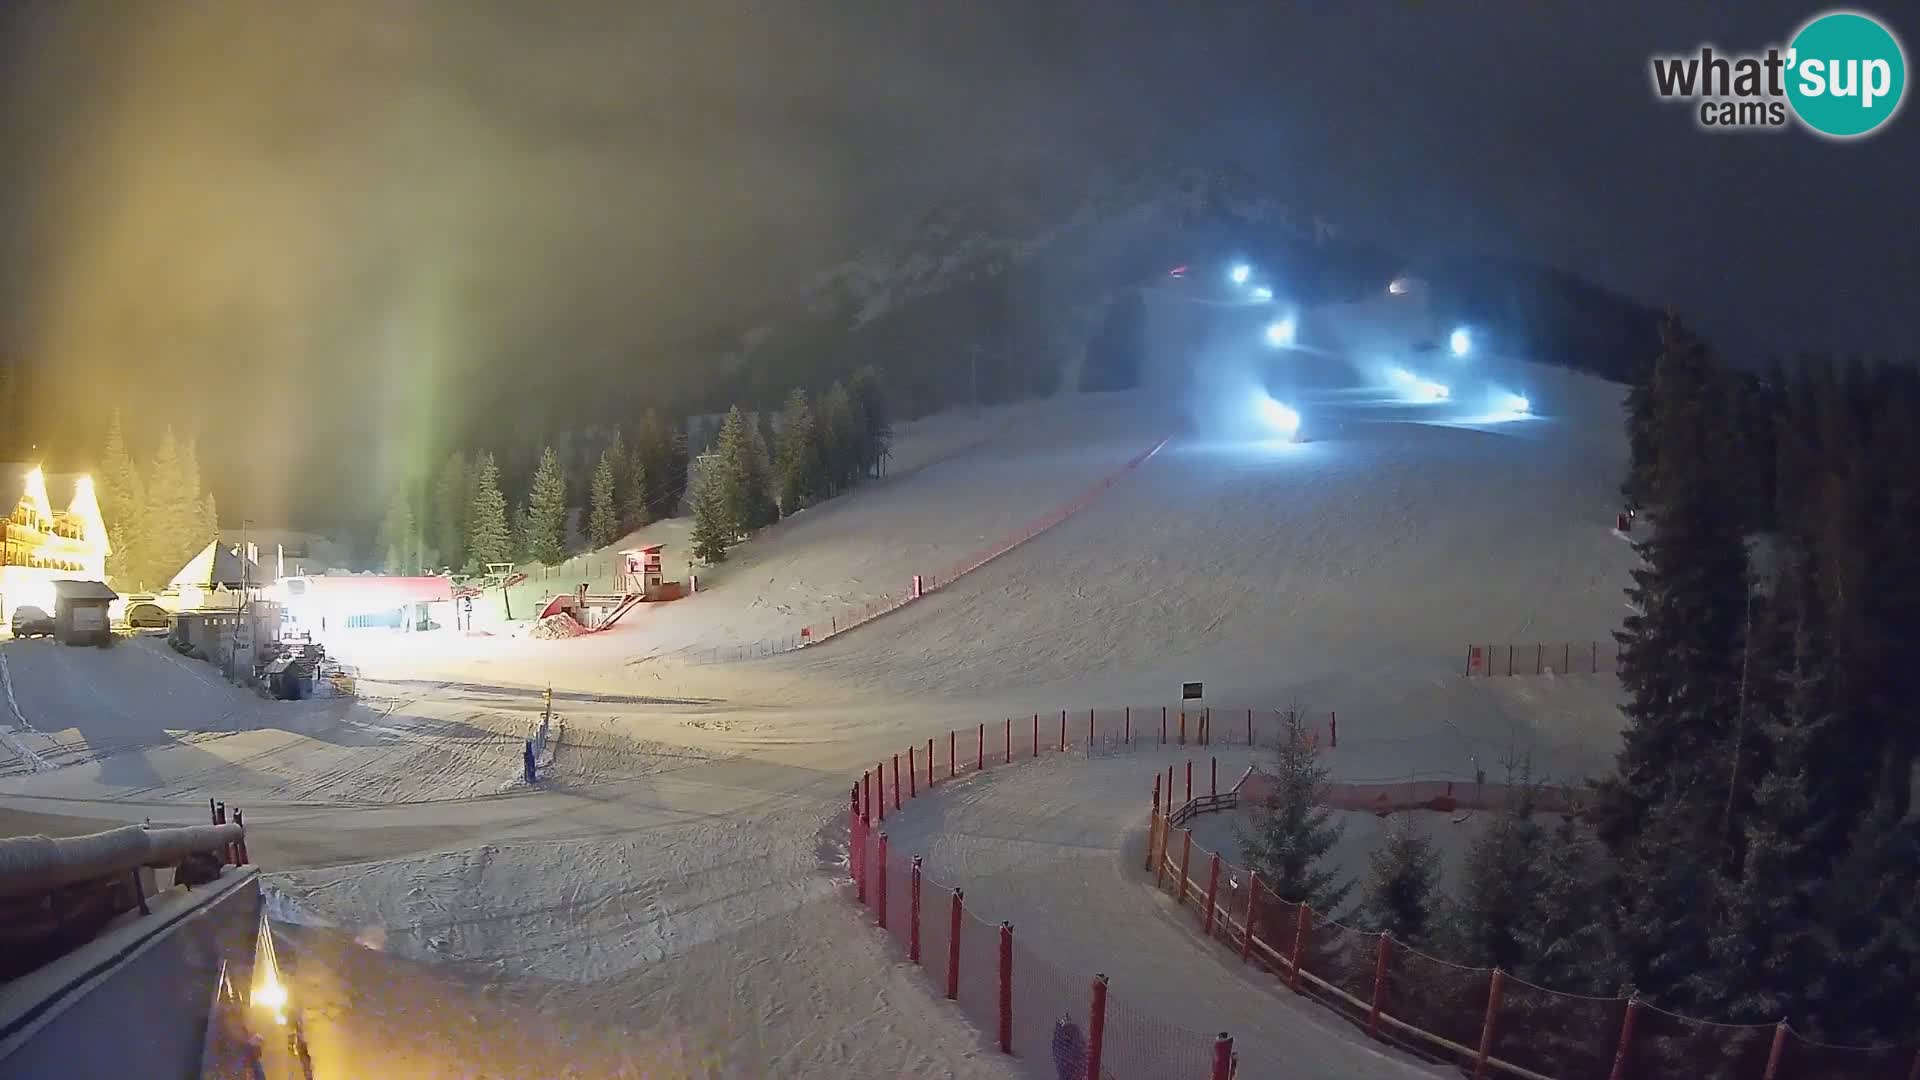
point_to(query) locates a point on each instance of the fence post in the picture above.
(1063, 731)
(1186, 861)
(1169, 803)
(1626, 1039)
(953, 946)
(896, 781)
(1183, 727)
(1253, 912)
(953, 742)
(1213, 888)
(1163, 725)
(1036, 734)
(1214, 764)
(1333, 729)
(213, 816)
(1777, 1051)
(913, 777)
(857, 848)
(1539, 657)
(1299, 941)
(1153, 819)
(1486, 1028)
(880, 883)
(1006, 988)
(1223, 1057)
(1189, 779)
(1249, 727)
(880, 787)
(929, 764)
(913, 911)
(1096, 1025)
(1509, 660)
(980, 749)
(240, 845)
(1009, 740)
(1160, 855)
(866, 798)
(1566, 658)
(1126, 737)
(1379, 984)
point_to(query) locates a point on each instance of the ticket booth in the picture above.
(640, 571)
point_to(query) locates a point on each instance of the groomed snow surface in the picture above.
(673, 889)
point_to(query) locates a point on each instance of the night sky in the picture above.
(309, 224)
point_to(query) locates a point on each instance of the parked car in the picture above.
(148, 615)
(29, 621)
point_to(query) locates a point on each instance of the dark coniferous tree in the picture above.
(1288, 839)
(603, 513)
(1680, 650)
(1403, 870)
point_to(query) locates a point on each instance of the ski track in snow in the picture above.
(677, 873)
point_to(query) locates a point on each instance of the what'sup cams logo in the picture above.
(1843, 75)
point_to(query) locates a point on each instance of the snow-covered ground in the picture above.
(676, 869)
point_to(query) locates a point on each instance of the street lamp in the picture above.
(1240, 273)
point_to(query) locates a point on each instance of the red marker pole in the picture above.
(896, 781)
(913, 926)
(980, 749)
(953, 947)
(913, 775)
(1097, 1026)
(929, 764)
(1127, 736)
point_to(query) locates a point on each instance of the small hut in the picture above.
(80, 612)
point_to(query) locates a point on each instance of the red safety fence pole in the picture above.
(1333, 729)
(953, 946)
(1096, 1025)
(1006, 988)
(1186, 861)
(1126, 736)
(1253, 912)
(866, 797)
(880, 787)
(980, 749)
(1063, 731)
(1036, 734)
(1626, 1040)
(880, 884)
(1091, 731)
(929, 764)
(913, 777)
(1249, 727)
(1159, 854)
(1163, 725)
(1494, 988)
(1183, 727)
(1223, 1057)
(1777, 1051)
(1214, 788)
(913, 911)
(953, 742)
(896, 781)
(1009, 740)
(1379, 984)
(1153, 818)
(1189, 779)
(1213, 890)
(1299, 943)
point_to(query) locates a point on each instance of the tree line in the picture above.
(824, 445)
(1755, 853)
(157, 514)
(463, 519)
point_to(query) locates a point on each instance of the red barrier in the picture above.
(1097, 1026)
(1006, 988)
(1213, 785)
(953, 948)
(913, 782)
(880, 883)
(1009, 740)
(1379, 985)
(1127, 735)
(880, 783)
(1333, 730)
(1163, 725)
(953, 742)
(896, 781)
(1223, 1057)
(980, 749)
(913, 928)
(1486, 1032)
(929, 764)
(1063, 731)
(1213, 891)
(1036, 734)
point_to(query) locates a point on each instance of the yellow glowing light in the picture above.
(37, 493)
(270, 994)
(86, 507)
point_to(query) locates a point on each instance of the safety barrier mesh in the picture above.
(1668, 1045)
(1343, 957)
(1803, 1060)
(899, 898)
(1558, 1035)
(980, 973)
(1141, 1045)
(1437, 997)
(935, 933)
(1042, 995)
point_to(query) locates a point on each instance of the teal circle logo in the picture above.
(1846, 74)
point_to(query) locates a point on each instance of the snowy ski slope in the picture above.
(674, 877)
